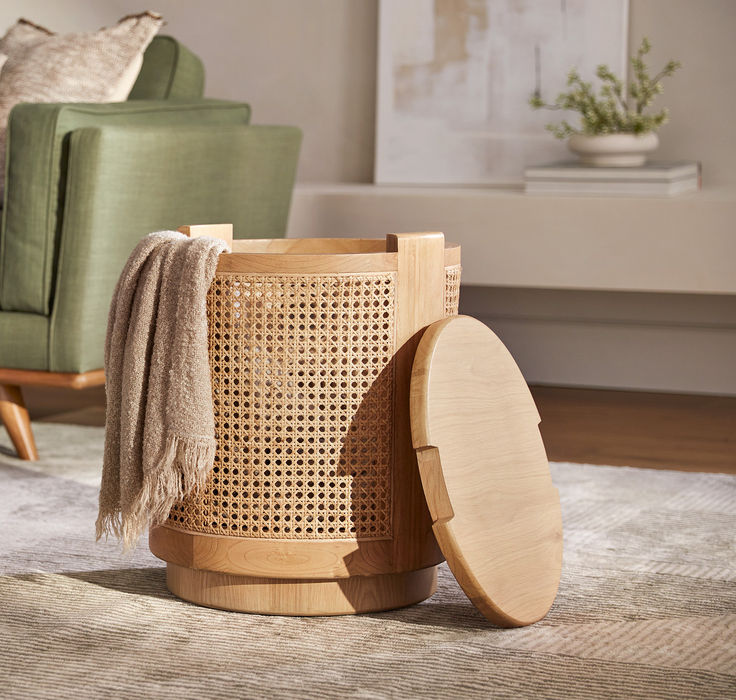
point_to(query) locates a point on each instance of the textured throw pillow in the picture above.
(93, 67)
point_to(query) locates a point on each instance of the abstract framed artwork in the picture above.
(455, 77)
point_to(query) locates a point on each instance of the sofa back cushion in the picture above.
(169, 71)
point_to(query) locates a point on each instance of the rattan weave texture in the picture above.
(452, 289)
(303, 383)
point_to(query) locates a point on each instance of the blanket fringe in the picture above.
(108, 523)
(182, 470)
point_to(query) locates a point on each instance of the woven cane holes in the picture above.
(302, 384)
(452, 290)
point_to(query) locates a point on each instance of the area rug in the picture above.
(646, 606)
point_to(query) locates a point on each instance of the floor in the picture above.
(639, 429)
(660, 431)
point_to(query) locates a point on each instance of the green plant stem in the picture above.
(623, 102)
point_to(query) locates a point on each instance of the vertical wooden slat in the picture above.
(221, 231)
(419, 302)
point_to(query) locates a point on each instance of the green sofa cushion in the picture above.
(37, 149)
(169, 70)
(24, 342)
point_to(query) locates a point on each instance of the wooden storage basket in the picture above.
(314, 505)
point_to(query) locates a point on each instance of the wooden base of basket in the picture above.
(270, 596)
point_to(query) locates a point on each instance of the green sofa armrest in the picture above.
(124, 182)
(37, 152)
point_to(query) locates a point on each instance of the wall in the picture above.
(309, 63)
(625, 340)
(314, 64)
(700, 96)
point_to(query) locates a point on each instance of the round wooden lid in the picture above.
(495, 512)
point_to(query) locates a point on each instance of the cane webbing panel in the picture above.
(452, 289)
(302, 383)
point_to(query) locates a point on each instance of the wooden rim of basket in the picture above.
(307, 255)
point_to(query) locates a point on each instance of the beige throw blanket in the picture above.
(159, 437)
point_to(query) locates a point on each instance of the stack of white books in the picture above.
(652, 179)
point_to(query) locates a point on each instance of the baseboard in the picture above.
(647, 342)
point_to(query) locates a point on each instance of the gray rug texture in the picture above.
(646, 606)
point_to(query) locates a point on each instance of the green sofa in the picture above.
(84, 182)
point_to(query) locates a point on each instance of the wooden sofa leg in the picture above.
(14, 414)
